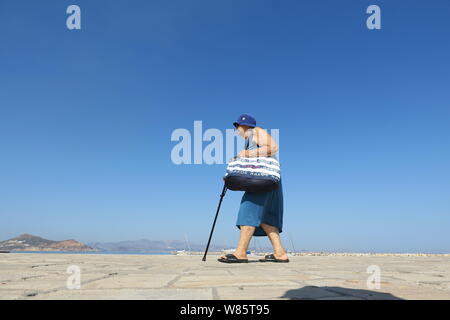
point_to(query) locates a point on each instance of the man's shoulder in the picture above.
(259, 130)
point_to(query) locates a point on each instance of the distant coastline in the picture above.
(198, 253)
(27, 243)
(91, 252)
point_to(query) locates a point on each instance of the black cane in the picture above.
(214, 223)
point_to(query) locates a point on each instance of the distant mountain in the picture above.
(145, 245)
(28, 242)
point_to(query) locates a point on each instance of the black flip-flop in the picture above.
(271, 258)
(231, 258)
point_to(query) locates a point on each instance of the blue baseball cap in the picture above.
(246, 120)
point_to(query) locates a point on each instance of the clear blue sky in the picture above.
(86, 118)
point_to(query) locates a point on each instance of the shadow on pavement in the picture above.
(336, 293)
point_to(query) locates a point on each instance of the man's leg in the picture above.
(244, 240)
(274, 236)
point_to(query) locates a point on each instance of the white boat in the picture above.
(183, 252)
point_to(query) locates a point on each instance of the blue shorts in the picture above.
(265, 207)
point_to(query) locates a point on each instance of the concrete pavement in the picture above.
(45, 276)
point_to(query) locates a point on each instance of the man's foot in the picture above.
(283, 256)
(275, 258)
(231, 258)
(238, 255)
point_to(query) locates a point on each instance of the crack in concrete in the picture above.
(44, 265)
(31, 277)
(37, 292)
(177, 277)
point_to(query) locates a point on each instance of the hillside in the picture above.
(28, 242)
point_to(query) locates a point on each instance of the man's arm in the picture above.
(267, 145)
